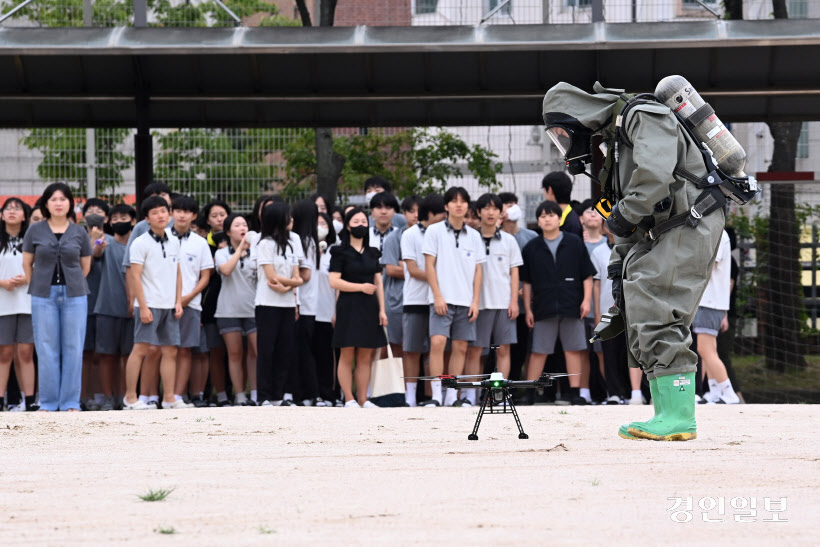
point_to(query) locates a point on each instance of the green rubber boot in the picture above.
(623, 431)
(676, 419)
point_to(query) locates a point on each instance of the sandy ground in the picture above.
(401, 476)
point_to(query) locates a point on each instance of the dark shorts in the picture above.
(212, 336)
(455, 324)
(589, 325)
(115, 335)
(189, 328)
(416, 332)
(394, 326)
(90, 333)
(203, 342)
(494, 326)
(245, 325)
(162, 331)
(570, 329)
(16, 329)
(707, 321)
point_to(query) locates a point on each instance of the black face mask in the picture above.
(359, 232)
(121, 228)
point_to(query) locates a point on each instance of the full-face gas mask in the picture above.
(572, 139)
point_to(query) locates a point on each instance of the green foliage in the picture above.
(156, 495)
(165, 530)
(417, 161)
(64, 156)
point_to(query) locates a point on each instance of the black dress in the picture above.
(357, 313)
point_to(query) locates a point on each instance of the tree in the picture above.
(64, 156)
(417, 160)
(781, 305)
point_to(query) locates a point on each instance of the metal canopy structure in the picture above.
(392, 76)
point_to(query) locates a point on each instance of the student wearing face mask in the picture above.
(323, 351)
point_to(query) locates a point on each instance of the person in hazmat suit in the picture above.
(667, 221)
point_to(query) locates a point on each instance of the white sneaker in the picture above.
(307, 402)
(18, 408)
(637, 400)
(138, 405)
(729, 397)
(353, 404)
(179, 403)
(368, 404)
(613, 400)
(266, 403)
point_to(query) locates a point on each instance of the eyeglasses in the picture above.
(12, 208)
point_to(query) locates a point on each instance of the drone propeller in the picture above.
(446, 377)
(561, 375)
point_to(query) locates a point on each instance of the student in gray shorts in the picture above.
(557, 276)
(453, 253)
(115, 328)
(156, 280)
(416, 310)
(498, 305)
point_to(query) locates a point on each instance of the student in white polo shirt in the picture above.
(234, 315)
(453, 253)
(416, 310)
(156, 282)
(498, 305)
(197, 266)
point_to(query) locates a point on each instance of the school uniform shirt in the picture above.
(600, 259)
(378, 238)
(159, 268)
(591, 249)
(391, 254)
(238, 289)
(111, 299)
(308, 292)
(268, 253)
(524, 236)
(557, 283)
(194, 256)
(49, 252)
(11, 265)
(415, 291)
(718, 290)
(139, 228)
(457, 253)
(502, 255)
(325, 295)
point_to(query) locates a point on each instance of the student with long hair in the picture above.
(304, 379)
(56, 260)
(16, 336)
(360, 316)
(277, 259)
(323, 350)
(236, 264)
(215, 213)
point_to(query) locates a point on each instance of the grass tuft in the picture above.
(156, 495)
(263, 529)
(167, 530)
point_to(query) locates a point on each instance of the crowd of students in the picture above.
(291, 305)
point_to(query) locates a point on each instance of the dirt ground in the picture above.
(245, 476)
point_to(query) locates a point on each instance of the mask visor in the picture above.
(561, 138)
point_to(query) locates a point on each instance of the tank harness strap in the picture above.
(709, 201)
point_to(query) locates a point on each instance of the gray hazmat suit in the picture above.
(664, 279)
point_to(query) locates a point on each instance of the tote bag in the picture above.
(386, 382)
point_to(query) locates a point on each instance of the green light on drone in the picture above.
(496, 384)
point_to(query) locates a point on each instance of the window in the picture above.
(579, 3)
(490, 5)
(426, 6)
(803, 142)
(531, 202)
(695, 3)
(798, 9)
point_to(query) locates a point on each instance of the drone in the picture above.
(496, 398)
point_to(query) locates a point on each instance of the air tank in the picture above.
(678, 94)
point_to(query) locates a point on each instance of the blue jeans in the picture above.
(59, 337)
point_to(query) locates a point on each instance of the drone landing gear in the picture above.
(494, 406)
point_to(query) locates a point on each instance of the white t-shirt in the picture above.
(718, 291)
(600, 259)
(505, 254)
(195, 256)
(308, 291)
(412, 248)
(159, 269)
(325, 295)
(267, 252)
(377, 238)
(455, 265)
(238, 290)
(11, 265)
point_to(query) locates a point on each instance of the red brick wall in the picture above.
(396, 13)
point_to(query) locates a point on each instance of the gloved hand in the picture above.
(618, 225)
(615, 273)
